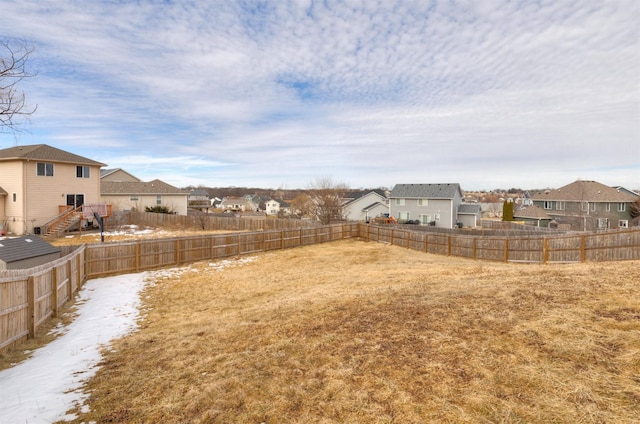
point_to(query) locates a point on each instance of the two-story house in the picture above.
(587, 205)
(430, 204)
(42, 183)
(277, 207)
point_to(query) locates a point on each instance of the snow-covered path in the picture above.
(42, 388)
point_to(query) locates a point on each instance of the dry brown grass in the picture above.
(363, 332)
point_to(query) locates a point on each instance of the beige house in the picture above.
(118, 175)
(138, 195)
(41, 184)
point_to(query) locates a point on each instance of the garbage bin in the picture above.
(36, 230)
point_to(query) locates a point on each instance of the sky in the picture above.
(279, 94)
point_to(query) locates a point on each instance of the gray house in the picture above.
(430, 204)
(26, 252)
(363, 205)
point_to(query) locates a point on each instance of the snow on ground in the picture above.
(48, 384)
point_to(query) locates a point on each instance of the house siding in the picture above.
(122, 202)
(12, 181)
(353, 211)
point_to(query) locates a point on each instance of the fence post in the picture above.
(506, 249)
(545, 250)
(408, 239)
(449, 245)
(474, 250)
(583, 248)
(31, 309)
(70, 283)
(54, 293)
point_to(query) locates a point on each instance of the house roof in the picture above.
(25, 247)
(139, 187)
(199, 192)
(3, 192)
(353, 195)
(107, 172)
(581, 191)
(44, 152)
(469, 209)
(426, 191)
(532, 212)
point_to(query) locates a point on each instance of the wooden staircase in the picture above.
(61, 223)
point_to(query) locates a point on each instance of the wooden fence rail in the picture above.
(29, 297)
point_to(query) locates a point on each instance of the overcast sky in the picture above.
(277, 94)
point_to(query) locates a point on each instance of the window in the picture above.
(623, 223)
(603, 223)
(548, 204)
(158, 200)
(436, 217)
(403, 216)
(44, 169)
(133, 198)
(15, 197)
(559, 205)
(399, 202)
(82, 171)
(423, 202)
(608, 207)
(622, 207)
(593, 206)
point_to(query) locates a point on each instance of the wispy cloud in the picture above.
(373, 93)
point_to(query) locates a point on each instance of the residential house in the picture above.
(138, 195)
(43, 185)
(199, 199)
(236, 204)
(586, 205)
(534, 215)
(430, 204)
(277, 207)
(364, 205)
(26, 252)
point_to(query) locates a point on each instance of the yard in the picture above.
(365, 332)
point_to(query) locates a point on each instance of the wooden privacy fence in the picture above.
(29, 297)
(614, 245)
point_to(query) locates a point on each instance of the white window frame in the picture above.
(425, 219)
(622, 207)
(134, 198)
(623, 223)
(423, 202)
(399, 202)
(403, 215)
(548, 204)
(158, 200)
(559, 205)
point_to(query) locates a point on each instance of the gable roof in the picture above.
(3, 192)
(353, 195)
(44, 152)
(25, 247)
(139, 187)
(107, 172)
(426, 191)
(579, 191)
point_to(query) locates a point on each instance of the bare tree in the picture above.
(328, 197)
(12, 71)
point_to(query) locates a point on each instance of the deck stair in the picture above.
(62, 222)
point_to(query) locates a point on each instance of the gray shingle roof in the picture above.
(19, 248)
(469, 208)
(45, 153)
(426, 191)
(139, 187)
(579, 191)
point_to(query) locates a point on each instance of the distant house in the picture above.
(26, 252)
(277, 207)
(45, 185)
(199, 199)
(533, 215)
(364, 205)
(138, 195)
(236, 204)
(430, 204)
(587, 205)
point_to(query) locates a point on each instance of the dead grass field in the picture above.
(355, 332)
